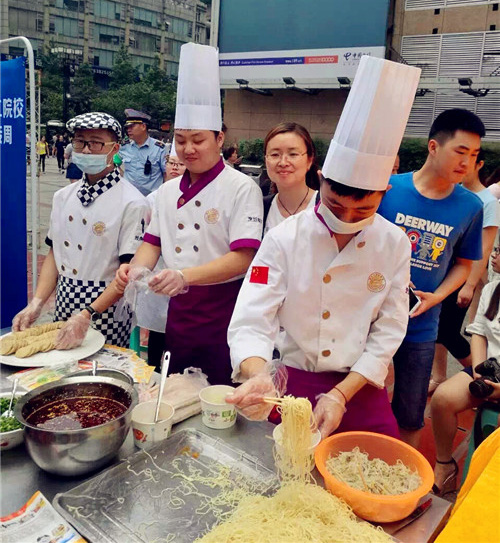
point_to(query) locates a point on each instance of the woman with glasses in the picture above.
(290, 163)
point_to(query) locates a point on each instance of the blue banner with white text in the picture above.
(13, 236)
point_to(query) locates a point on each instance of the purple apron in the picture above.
(196, 330)
(369, 409)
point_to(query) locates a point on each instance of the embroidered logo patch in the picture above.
(99, 228)
(376, 282)
(211, 216)
(259, 274)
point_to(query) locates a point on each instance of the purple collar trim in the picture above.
(190, 191)
(320, 217)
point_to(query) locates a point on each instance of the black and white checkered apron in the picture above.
(74, 295)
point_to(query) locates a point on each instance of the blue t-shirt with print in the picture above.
(439, 231)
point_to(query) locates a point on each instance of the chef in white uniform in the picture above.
(335, 277)
(95, 225)
(206, 224)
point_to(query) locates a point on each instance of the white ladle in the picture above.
(163, 376)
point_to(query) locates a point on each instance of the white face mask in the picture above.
(341, 227)
(90, 164)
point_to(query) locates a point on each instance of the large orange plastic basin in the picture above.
(365, 504)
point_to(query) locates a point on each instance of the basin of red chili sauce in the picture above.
(76, 413)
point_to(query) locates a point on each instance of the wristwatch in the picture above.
(94, 314)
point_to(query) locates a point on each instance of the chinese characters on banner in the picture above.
(13, 235)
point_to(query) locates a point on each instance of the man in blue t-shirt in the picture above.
(443, 222)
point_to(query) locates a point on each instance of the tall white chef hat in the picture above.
(372, 124)
(172, 151)
(198, 89)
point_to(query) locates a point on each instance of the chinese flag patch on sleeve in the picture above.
(260, 274)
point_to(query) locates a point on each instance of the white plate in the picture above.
(93, 341)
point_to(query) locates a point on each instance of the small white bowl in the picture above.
(315, 439)
(9, 440)
(215, 412)
(146, 431)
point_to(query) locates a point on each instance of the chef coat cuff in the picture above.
(126, 258)
(152, 240)
(259, 348)
(371, 368)
(245, 243)
(48, 241)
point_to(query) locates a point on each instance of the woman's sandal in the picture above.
(433, 384)
(450, 483)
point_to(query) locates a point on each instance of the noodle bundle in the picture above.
(355, 469)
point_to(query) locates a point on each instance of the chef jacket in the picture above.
(341, 311)
(134, 158)
(195, 224)
(89, 242)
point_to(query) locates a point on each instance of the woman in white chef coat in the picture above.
(290, 164)
(335, 276)
(206, 225)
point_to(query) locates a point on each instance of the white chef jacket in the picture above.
(88, 241)
(199, 223)
(274, 217)
(341, 311)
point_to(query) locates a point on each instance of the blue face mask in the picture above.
(90, 164)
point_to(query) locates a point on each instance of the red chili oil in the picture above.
(76, 413)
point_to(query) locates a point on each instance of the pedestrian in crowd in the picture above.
(395, 167)
(456, 305)
(59, 152)
(454, 396)
(231, 158)
(175, 166)
(73, 172)
(144, 158)
(290, 163)
(42, 150)
(206, 225)
(334, 277)
(443, 222)
(95, 225)
(54, 141)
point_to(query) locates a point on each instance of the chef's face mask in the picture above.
(92, 164)
(341, 227)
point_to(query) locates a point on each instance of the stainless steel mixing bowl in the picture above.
(75, 452)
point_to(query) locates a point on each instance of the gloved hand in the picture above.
(25, 318)
(329, 412)
(169, 282)
(73, 332)
(128, 272)
(270, 382)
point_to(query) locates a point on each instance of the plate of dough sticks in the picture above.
(35, 346)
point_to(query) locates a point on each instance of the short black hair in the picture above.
(480, 156)
(226, 153)
(344, 190)
(448, 122)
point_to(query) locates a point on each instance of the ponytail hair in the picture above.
(492, 310)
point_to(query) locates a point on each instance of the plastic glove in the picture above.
(126, 273)
(328, 413)
(25, 318)
(270, 382)
(169, 282)
(73, 332)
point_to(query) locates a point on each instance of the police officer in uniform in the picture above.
(143, 157)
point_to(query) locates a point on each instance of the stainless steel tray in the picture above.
(145, 498)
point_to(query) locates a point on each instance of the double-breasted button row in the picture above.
(63, 268)
(180, 226)
(71, 219)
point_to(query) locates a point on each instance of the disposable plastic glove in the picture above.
(25, 318)
(270, 382)
(328, 413)
(73, 332)
(169, 282)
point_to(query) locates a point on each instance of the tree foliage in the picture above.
(83, 90)
(124, 73)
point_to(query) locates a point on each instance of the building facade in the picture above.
(96, 29)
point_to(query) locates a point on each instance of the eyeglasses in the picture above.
(94, 146)
(291, 157)
(175, 164)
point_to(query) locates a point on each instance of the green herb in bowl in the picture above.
(7, 424)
